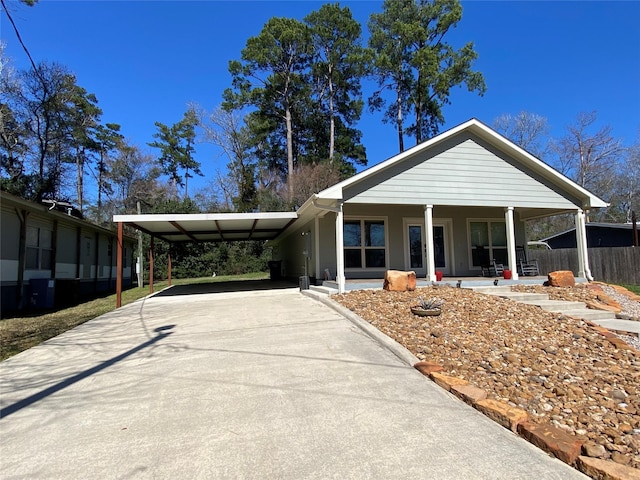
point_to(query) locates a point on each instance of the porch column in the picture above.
(119, 267)
(340, 249)
(581, 244)
(428, 235)
(316, 249)
(151, 266)
(169, 267)
(511, 242)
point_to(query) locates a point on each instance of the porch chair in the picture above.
(494, 269)
(526, 267)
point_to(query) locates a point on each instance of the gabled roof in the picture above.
(526, 160)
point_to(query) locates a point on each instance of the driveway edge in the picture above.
(387, 342)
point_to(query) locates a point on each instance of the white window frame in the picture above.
(40, 248)
(488, 221)
(362, 246)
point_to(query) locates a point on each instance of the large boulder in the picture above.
(562, 278)
(399, 281)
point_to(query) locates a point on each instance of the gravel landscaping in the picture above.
(559, 369)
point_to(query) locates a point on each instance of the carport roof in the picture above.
(210, 227)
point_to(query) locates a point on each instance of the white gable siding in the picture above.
(466, 173)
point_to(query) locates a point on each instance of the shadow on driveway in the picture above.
(161, 333)
(220, 287)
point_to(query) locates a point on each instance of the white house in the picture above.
(451, 204)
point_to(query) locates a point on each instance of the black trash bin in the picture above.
(275, 269)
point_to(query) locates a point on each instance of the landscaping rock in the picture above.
(561, 278)
(496, 345)
(553, 440)
(426, 368)
(502, 413)
(399, 281)
(606, 470)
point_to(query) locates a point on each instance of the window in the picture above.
(39, 249)
(365, 244)
(488, 242)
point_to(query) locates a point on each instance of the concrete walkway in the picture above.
(603, 318)
(261, 384)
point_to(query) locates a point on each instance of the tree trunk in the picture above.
(100, 186)
(399, 124)
(332, 125)
(418, 108)
(80, 177)
(186, 183)
(289, 151)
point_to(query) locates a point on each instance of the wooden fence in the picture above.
(611, 265)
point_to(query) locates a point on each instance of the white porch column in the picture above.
(511, 242)
(581, 244)
(340, 249)
(316, 249)
(428, 235)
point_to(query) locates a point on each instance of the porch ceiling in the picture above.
(210, 227)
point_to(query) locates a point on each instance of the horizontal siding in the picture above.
(465, 174)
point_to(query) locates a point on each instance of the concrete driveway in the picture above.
(249, 384)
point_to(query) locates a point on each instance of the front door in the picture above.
(415, 249)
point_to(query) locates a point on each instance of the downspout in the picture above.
(23, 216)
(340, 278)
(96, 262)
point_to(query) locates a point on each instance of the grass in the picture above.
(632, 288)
(21, 333)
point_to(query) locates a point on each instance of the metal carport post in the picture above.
(119, 267)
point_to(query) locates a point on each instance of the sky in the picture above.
(147, 60)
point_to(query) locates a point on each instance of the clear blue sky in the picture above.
(146, 60)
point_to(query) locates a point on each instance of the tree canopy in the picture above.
(288, 125)
(413, 61)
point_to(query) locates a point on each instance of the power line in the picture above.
(24, 47)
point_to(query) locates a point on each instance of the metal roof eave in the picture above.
(211, 227)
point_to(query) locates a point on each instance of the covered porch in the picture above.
(331, 286)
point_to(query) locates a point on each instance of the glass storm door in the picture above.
(415, 258)
(439, 246)
(415, 236)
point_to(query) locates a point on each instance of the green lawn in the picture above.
(21, 333)
(632, 288)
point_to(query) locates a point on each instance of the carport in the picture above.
(199, 227)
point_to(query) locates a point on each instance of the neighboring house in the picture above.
(452, 204)
(598, 235)
(50, 257)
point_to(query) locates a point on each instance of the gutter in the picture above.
(323, 207)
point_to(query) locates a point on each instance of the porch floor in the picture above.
(466, 282)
